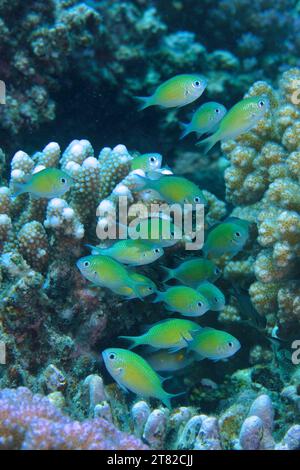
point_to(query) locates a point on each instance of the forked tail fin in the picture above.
(143, 102)
(166, 399)
(207, 144)
(134, 339)
(185, 129)
(169, 273)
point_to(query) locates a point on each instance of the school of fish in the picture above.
(175, 343)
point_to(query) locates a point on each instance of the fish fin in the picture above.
(141, 183)
(208, 143)
(174, 349)
(169, 273)
(185, 130)
(18, 188)
(95, 249)
(172, 309)
(134, 286)
(158, 298)
(166, 399)
(144, 102)
(123, 388)
(163, 379)
(198, 357)
(135, 340)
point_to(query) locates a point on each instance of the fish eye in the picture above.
(217, 271)
(152, 159)
(197, 83)
(156, 250)
(237, 234)
(217, 110)
(200, 304)
(197, 199)
(86, 264)
(63, 180)
(215, 299)
(230, 344)
(261, 104)
(150, 288)
(112, 356)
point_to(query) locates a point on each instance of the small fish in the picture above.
(213, 344)
(205, 119)
(228, 237)
(247, 310)
(194, 271)
(132, 372)
(104, 271)
(48, 183)
(163, 361)
(145, 287)
(171, 333)
(184, 300)
(173, 189)
(147, 162)
(157, 230)
(242, 117)
(131, 252)
(175, 92)
(214, 296)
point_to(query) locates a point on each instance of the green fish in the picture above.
(132, 372)
(147, 162)
(48, 183)
(163, 361)
(205, 119)
(145, 287)
(175, 92)
(157, 230)
(184, 300)
(131, 252)
(242, 117)
(104, 271)
(214, 296)
(173, 189)
(193, 271)
(228, 238)
(213, 344)
(167, 334)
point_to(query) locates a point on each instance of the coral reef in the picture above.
(64, 65)
(262, 182)
(32, 422)
(52, 46)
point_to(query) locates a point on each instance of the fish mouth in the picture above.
(104, 356)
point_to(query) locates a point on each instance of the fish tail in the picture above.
(94, 249)
(166, 399)
(134, 339)
(19, 188)
(141, 183)
(169, 273)
(185, 129)
(158, 298)
(144, 102)
(208, 143)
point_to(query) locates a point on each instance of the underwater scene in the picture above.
(150, 225)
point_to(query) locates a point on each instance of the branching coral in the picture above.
(262, 181)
